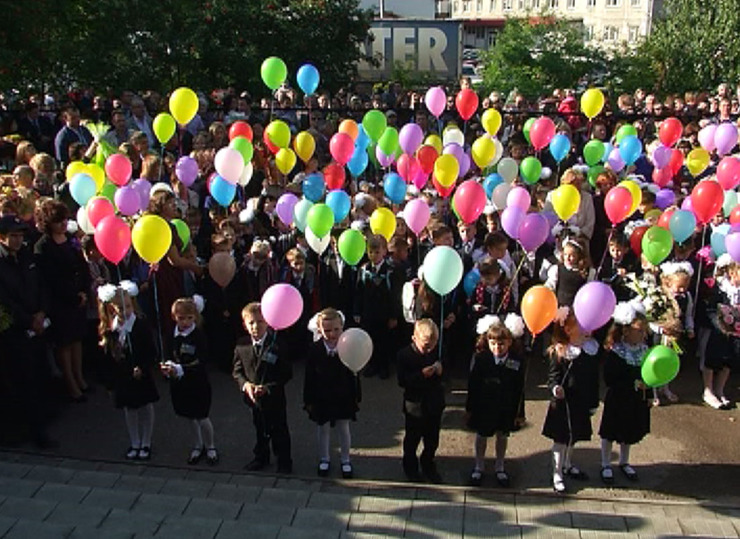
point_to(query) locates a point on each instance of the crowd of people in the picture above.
(128, 323)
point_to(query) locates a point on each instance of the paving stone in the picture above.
(212, 508)
(336, 502)
(165, 473)
(360, 535)
(600, 534)
(14, 469)
(374, 504)
(262, 481)
(121, 468)
(26, 508)
(205, 475)
(179, 527)
(257, 513)
(119, 521)
(424, 528)
(29, 529)
(151, 485)
(110, 498)
(50, 474)
(321, 519)
(598, 521)
(653, 526)
(481, 529)
(439, 495)
(487, 514)
(543, 516)
(87, 532)
(297, 533)
(87, 478)
(421, 509)
(62, 493)
(182, 487)
(76, 464)
(6, 523)
(704, 527)
(240, 529)
(290, 483)
(235, 493)
(354, 490)
(74, 514)
(19, 488)
(542, 532)
(376, 523)
(285, 498)
(161, 504)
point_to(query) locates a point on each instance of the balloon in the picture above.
(128, 200)
(453, 148)
(491, 121)
(108, 191)
(725, 138)
(662, 177)
(282, 305)
(718, 238)
(384, 160)
(593, 174)
(659, 366)
(183, 105)
(470, 281)
(594, 305)
(732, 245)
(636, 239)
(164, 127)
(83, 222)
(435, 100)
(499, 152)
(592, 101)
(246, 175)
(511, 219)
(483, 151)
(566, 200)
(542, 132)
(339, 203)
(142, 187)
(508, 169)
(229, 164)
(317, 245)
(729, 203)
(735, 216)
(308, 78)
(706, 200)
(530, 169)
(383, 222)
(435, 142)
(697, 161)
(351, 128)
(728, 172)
(74, 168)
(466, 103)
(615, 161)
(82, 188)
(279, 133)
(491, 182)
(653, 216)
(670, 131)
(222, 268)
(394, 188)
(334, 176)
(320, 219)
(416, 213)
(676, 161)
(241, 129)
(186, 170)
(627, 130)
(593, 152)
(270, 146)
(470, 199)
(500, 194)
(559, 147)
(706, 137)
(533, 231)
(355, 348)
(388, 141)
(285, 160)
(113, 238)
(443, 269)
(118, 169)
(183, 232)
(426, 156)
(357, 164)
(539, 307)
(527, 128)
(421, 179)
(151, 237)
(664, 198)
(408, 167)
(313, 186)
(285, 206)
(630, 149)
(520, 198)
(607, 152)
(274, 72)
(446, 170)
(662, 156)
(635, 194)
(452, 134)
(410, 138)
(244, 147)
(686, 204)
(665, 218)
(374, 123)
(222, 191)
(97, 209)
(300, 213)
(341, 147)
(351, 245)
(656, 244)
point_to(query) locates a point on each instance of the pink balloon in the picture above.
(118, 169)
(519, 197)
(541, 132)
(421, 179)
(408, 167)
(470, 199)
(728, 172)
(594, 305)
(113, 238)
(282, 305)
(533, 231)
(341, 147)
(186, 170)
(229, 164)
(416, 214)
(511, 220)
(725, 138)
(284, 207)
(384, 160)
(687, 205)
(128, 200)
(662, 176)
(410, 138)
(435, 100)
(706, 137)
(99, 208)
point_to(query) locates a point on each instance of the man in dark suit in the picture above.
(36, 128)
(71, 132)
(261, 373)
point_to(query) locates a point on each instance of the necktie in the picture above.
(257, 349)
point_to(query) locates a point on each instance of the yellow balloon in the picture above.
(279, 133)
(383, 222)
(151, 237)
(653, 216)
(285, 160)
(183, 105)
(75, 167)
(565, 201)
(435, 142)
(304, 145)
(491, 121)
(164, 127)
(697, 161)
(592, 101)
(483, 151)
(636, 193)
(97, 174)
(446, 170)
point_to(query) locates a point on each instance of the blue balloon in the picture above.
(682, 225)
(82, 188)
(471, 281)
(358, 162)
(394, 187)
(308, 78)
(607, 152)
(222, 191)
(559, 147)
(340, 204)
(630, 149)
(490, 183)
(718, 239)
(313, 186)
(362, 141)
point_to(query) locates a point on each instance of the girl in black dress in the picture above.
(626, 416)
(186, 370)
(130, 349)
(571, 272)
(495, 391)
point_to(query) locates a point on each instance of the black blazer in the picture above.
(270, 368)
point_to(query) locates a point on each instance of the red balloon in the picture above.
(443, 191)
(334, 176)
(118, 169)
(665, 219)
(99, 208)
(706, 200)
(735, 215)
(408, 167)
(341, 147)
(469, 201)
(466, 103)
(636, 239)
(427, 155)
(270, 146)
(618, 203)
(728, 172)
(113, 238)
(662, 176)
(670, 131)
(541, 132)
(240, 129)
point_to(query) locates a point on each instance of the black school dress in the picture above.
(331, 391)
(626, 417)
(495, 391)
(191, 393)
(569, 282)
(722, 350)
(137, 350)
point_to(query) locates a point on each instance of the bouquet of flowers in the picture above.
(660, 307)
(728, 320)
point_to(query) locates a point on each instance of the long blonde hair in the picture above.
(107, 313)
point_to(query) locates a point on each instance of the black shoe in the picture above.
(476, 478)
(195, 455)
(413, 475)
(44, 442)
(145, 453)
(323, 469)
(575, 473)
(628, 471)
(212, 457)
(256, 465)
(285, 468)
(502, 478)
(433, 476)
(607, 475)
(347, 471)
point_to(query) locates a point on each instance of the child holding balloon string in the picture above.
(492, 294)
(572, 271)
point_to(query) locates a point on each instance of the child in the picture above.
(619, 261)
(186, 370)
(331, 391)
(626, 416)
(261, 371)
(491, 294)
(495, 389)
(99, 275)
(259, 270)
(571, 273)
(495, 245)
(573, 384)
(302, 276)
(336, 278)
(420, 376)
(128, 343)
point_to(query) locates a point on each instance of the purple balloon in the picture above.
(519, 197)
(533, 231)
(142, 187)
(665, 198)
(410, 138)
(725, 138)
(435, 100)
(464, 165)
(384, 160)
(511, 220)
(732, 244)
(594, 305)
(552, 220)
(706, 137)
(453, 148)
(284, 207)
(128, 199)
(661, 156)
(615, 161)
(186, 170)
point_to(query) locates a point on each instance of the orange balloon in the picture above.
(349, 127)
(539, 307)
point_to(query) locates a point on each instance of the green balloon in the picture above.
(274, 72)
(108, 191)
(527, 126)
(320, 219)
(300, 213)
(593, 151)
(351, 246)
(183, 231)
(625, 131)
(530, 169)
(375, 123)
(657, 244)
(388, 142)
(593, 173)
(660, 366)
(244, 147)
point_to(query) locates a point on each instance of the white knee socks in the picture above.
(324, 439)
(558, 458)
(481, 443)
(606, 453)
(132, 425)
(502, 441)
(203, 430)
(140, 424)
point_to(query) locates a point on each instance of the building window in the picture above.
(634, 33)
(493, 5)
(635, 3)
(466, 6)
(553, 4)
(612, 3)
(536, 4)
(455, 7)
(479, 5)
(611, 33)
(571, 4)
(591, 3)
(588, 33)
(506, 4)
(522, 7)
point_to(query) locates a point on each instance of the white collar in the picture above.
(185, 332)
(632, 354)
(124, 328)
(732, 291)
(329, 350)
(500, 360)
(261, 341)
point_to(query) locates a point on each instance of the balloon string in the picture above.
(698, 273)
(606, 250)
(159, 320)
(507, 292)
(441, 325)
(123, 308)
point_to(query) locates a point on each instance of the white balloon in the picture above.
(453, 135)
(229, 164)
(355, 347)
(318, 245)
(499, 152)
(499, 195)
(508, 169)
(246, 174)
(83, 222)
